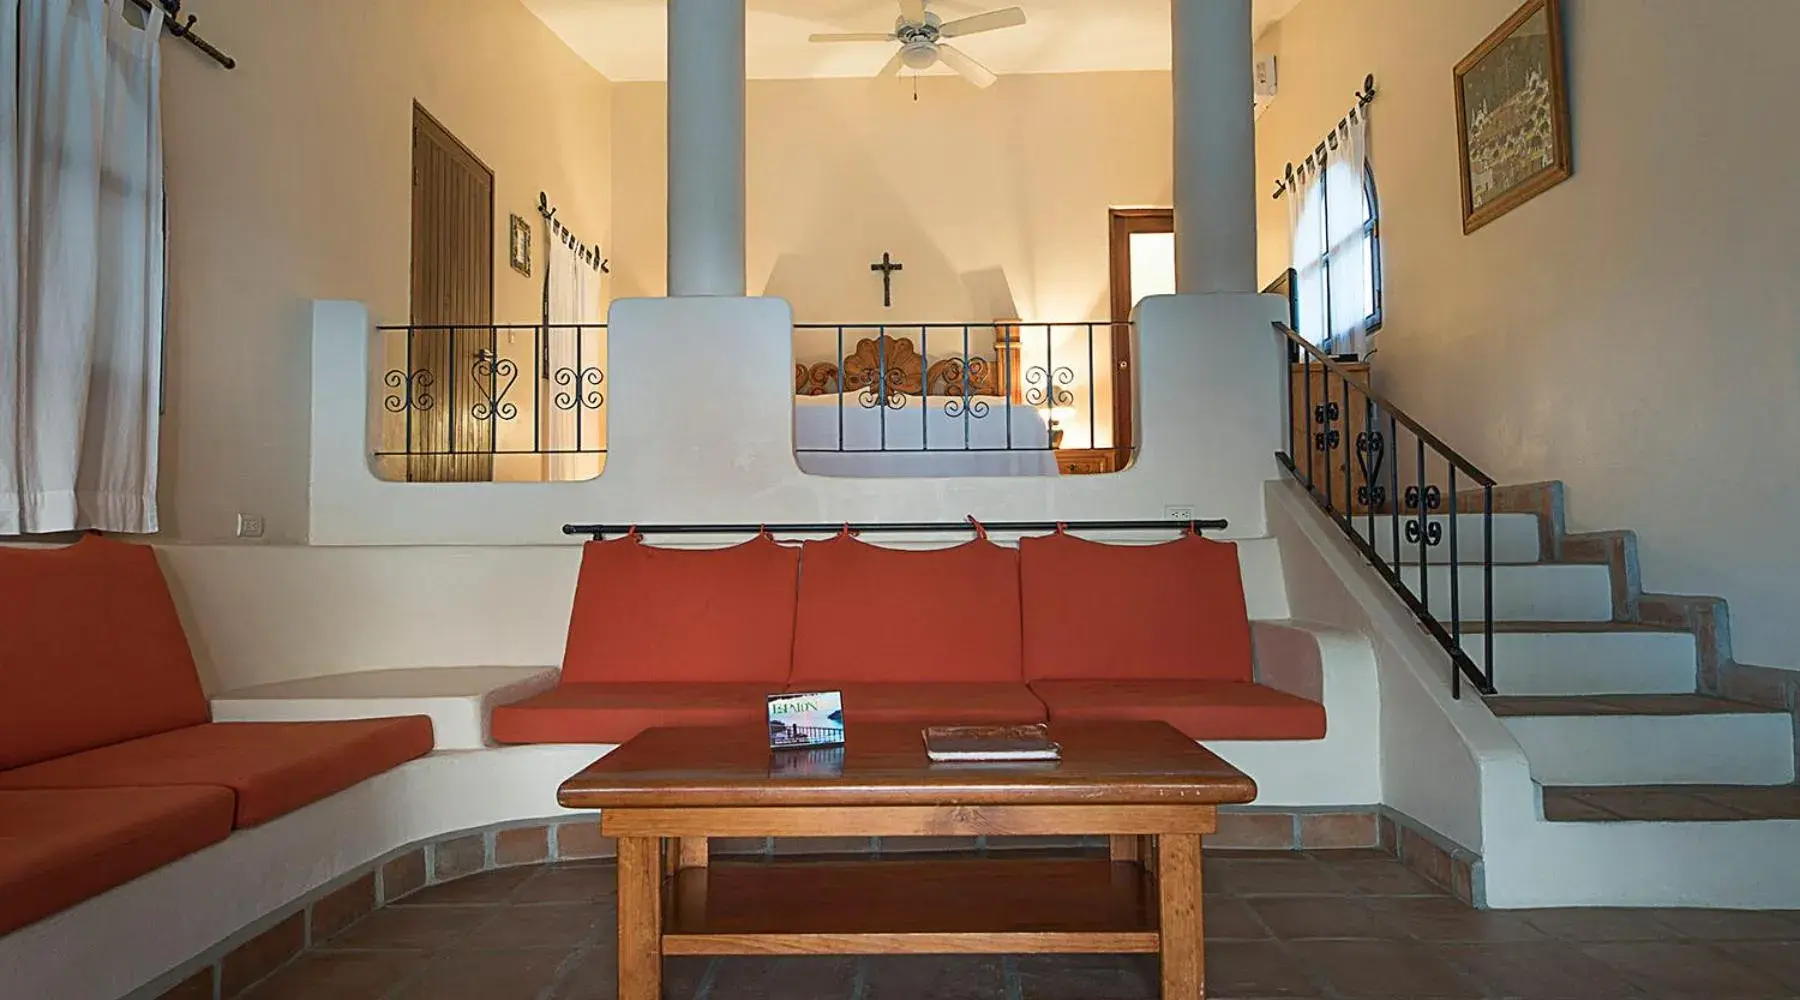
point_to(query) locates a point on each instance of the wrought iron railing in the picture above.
(451, 400)
(957, 387)
(1385, 480)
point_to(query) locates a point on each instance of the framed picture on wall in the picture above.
(519, 246)
(1512, 115)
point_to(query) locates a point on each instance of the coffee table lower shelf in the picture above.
(975, 906)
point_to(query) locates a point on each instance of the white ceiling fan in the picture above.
(921, 35)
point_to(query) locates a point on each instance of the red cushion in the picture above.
(58, 848)
(1204, 710)
(93, 651)
(651, 614)
(934, 703)
(878, 614)
(274, 767)
(1172, 611)
(614, 713)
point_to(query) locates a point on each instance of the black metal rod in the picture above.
(184, 30)
(1424, 557)
(1487, 581)
(1393, 497)
(1286, 183)
(599, 531)
(1455, 585)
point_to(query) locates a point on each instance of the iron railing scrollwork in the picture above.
(1408, 522)
(467, 392)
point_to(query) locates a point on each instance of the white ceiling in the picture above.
(626, 39)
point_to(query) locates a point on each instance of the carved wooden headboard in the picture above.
(899, 359)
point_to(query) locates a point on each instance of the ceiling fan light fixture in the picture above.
(919, 55)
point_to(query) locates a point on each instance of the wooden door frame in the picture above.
(423, 118)
(1122, 224)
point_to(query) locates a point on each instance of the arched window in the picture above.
(1337, 259)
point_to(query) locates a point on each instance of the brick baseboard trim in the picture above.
(1435, 857)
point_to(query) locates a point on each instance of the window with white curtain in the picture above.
(1337, 259)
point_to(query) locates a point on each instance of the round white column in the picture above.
(706, 147)
(1215, 148)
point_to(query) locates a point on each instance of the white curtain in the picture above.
(81, 278)
(577, 363)
(1330, 211)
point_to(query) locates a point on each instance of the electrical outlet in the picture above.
(249, 526)
(1179, 512)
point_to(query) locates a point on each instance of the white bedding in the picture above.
(836, 435)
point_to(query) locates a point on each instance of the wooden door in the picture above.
(1126, 223)
(452, 307)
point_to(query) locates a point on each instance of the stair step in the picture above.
(1671, 803)
(1623, 704)
(1594, 661)
(1649, 739)
(1559, 592)
(1516, 539)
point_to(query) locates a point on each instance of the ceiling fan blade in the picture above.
(894, 66)
(913, 11)
(971, 70)
(856, 36)
(1011, 17)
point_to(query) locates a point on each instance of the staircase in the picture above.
(1651, 786)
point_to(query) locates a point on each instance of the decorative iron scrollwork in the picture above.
(581, 388)
(1327, 440)
(879, 391)
(494, 378)
(1432, 497)
(1326, 413)
(957, 406)
(1045, 387)
(414, 391)
(1434, 532)
(1371, 449)
(961, 381)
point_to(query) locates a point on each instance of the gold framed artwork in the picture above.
(519, 246)
(1512, 115)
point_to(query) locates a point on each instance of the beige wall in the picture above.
(995, 201)
(288, 180)
(1631, 332)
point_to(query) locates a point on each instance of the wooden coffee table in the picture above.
(664, 792)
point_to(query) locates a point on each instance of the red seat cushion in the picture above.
(1204, 710)
(614, 713)
(876, 614)
(932, 703)
(652, 614)
(58, 848)
(93, 651)
(1170, 611)
(273, 767)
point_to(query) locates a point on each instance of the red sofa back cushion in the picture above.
(644, 613)
(869, 613)
(1141, 612)
(92, 651)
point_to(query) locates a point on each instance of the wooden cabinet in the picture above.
(1328, 421)
(1085, 462)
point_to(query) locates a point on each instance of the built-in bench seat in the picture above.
(106, 742)
(458, 700)
(978, 633)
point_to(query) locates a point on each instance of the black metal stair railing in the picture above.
(1383, 479)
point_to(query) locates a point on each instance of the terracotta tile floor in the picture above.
(1341, 924)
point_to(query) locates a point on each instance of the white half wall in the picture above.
(701, 429)
(1447, 763)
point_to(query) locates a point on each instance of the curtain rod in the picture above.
(1285, 183)
(599, 531)
(185, 31)
(568, 237)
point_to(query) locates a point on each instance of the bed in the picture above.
(885, 413)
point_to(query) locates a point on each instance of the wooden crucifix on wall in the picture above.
(887, 267)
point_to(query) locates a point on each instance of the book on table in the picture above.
(977, 743)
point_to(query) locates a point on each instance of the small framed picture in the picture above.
(519, 246)
(1512, 115)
